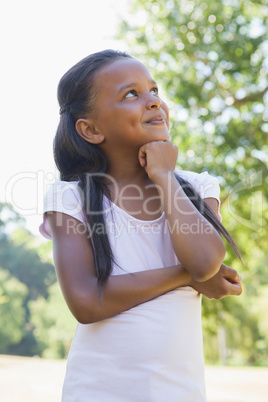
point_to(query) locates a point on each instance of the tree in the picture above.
(9, 217)
(12, 310)
(54, 325)
(26, 273)
(19, 255)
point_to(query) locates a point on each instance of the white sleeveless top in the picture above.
(154, 351)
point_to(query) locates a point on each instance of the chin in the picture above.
(161, 137)
(164, 138)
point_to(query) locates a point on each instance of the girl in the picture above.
(134, 243)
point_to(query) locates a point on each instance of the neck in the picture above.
(126, 169)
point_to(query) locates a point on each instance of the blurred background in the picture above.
(210, 59)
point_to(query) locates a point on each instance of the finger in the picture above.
(231, 275)
(142, 160)
(236, 279)
(142, 157)
(234, 289)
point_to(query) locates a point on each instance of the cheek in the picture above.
(128, 115)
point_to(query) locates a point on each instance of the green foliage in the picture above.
(54, 325)
(9, 217)
(244, 329)
(12, 310)
(34, 318)
(23, 262)
(210, 59)
(30, 276)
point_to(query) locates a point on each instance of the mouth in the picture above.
(159, 119)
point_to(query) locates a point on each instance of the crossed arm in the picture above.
(201, 253)
(74, 263)
(203, 270)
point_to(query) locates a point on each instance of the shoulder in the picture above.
(64, 197)
(205, 184)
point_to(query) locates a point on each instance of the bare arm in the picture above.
(75, 269)
(201, 252)
(74, 263)
(226, 282)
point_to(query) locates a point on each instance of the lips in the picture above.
(156, 119)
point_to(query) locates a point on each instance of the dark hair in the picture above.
(78, 160)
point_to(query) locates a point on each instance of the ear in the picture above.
(86, 130)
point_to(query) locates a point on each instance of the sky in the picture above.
(41, 40)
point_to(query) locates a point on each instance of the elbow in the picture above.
(84, 309)
(209, 267)
(89, 313)
(85, 316)
(82, 315)
(206, 274)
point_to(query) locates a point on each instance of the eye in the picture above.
(131, 94)
(155, 90)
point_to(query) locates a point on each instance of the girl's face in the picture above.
(128, 110)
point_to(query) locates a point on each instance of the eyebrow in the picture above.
(131, 85)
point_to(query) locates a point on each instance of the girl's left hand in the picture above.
(226, 282)
(158, 158)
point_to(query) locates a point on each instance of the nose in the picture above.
(154, 102)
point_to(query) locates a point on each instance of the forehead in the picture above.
(121, 72)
